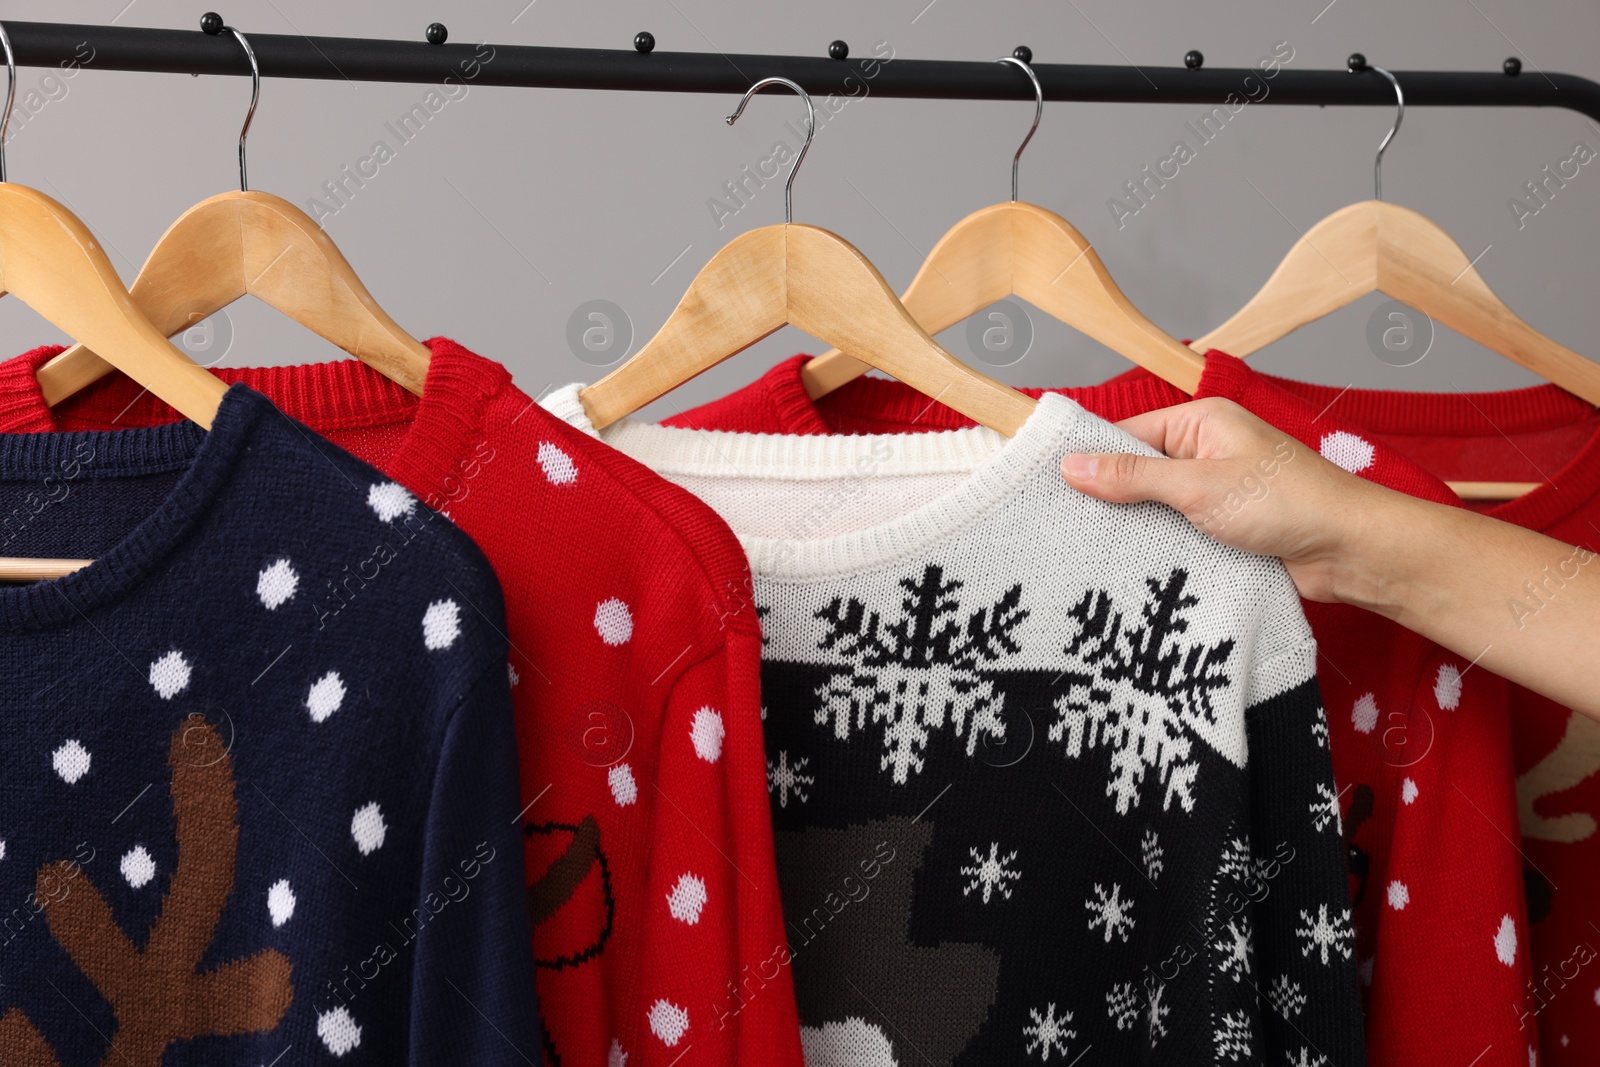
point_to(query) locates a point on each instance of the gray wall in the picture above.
(513, 207)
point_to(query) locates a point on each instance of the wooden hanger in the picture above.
(1374, 246)
(50, 261)
(1019, 249)
(806, 277)
(245, 242)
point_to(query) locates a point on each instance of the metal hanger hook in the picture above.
(11, 95)
(1038, 113)
(255, 97)
(811, 131)
(1377, 164)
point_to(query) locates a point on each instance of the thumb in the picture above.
(1120, 477)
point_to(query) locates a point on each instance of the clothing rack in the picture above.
(641, 68)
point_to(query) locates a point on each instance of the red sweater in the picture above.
(1545, 435)
(1420, 741)
(635, 668)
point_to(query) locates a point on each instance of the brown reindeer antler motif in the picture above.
(158, 994)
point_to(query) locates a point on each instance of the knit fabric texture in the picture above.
(635, 671)
(235, 824)
(1048, 774)
(1420, 739)
(1544, 435)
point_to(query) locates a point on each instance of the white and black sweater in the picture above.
(1049, 775)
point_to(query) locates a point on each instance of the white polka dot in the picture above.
(170, 674)
(687, 899)
(558, 466)
(138, 867)
(707, 732)
(338, 1031)
(668, 1021)
(389, 501)
(280, 902)
(1399, 895)
(326, 694)
(1408, 791)
(441, 624)
(1347, 450)
(624, 790)
(1533, 1057)
(1505, 941)
(71, 761)
(1364, 715)
(367, 827)
(1447, 687)
(613, 622)
(277, 584)
(616, 1057)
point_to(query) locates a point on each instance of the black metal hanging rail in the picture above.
(129, 48)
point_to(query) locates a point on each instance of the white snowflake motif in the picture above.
(1232, 1037)
(1236, 948)
(1048, 1033)
(1237, 861)
(1150, 852)
(1328, 932)
(1306, 1059)
(785, 778)
(1158, 1013)
(1325, 809)
(1135, 691)
(918, 674)
(1319, 729)
(1122, 1005)
(1111, 912)
(1286, 997)
(991, 872)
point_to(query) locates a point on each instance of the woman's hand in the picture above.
(1518, 603)
(1243, 482)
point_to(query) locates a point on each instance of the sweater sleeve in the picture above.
(714, 974)
(472, 998)
(1296, 890)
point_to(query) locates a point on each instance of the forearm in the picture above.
(1514, 602)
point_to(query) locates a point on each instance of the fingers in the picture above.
(1120, 477)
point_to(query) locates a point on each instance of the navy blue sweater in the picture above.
(258, 785)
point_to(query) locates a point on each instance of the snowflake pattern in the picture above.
(785, 778)
(1236, 948)
(1232, 1036)
(1329, 932)
(991, 872)
(1319, 729)
(1135, 691)
(919, 673)
(1122, 1005)
(1286, 997)
(1157, 1013)
(1325, 809)
(1150, 852)
(1306, 1059)
(1048, 1032)
(1111, 912)
(1237, 861)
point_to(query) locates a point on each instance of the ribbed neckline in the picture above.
(882, 400)
(1539, 407)
(328, 397)
(995, 469)
(207, 459)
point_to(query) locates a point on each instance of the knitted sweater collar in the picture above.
(995, 470)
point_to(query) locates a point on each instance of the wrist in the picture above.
(1373, 562)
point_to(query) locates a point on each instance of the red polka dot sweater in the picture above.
(1421, 741)
(635, 661)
